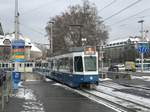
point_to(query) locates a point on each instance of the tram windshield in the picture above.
(90, 63)
(78, 65)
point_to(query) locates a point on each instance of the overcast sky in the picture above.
(34, 15)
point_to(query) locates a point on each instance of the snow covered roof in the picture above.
(27, 41)
(122, 41)
(34, 48)
(118, 40)
(132, 39)
(12, 37)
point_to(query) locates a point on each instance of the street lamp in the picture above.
(51, 36)
(142, 39)
(83, 41)
(141, 22)
(101, 54)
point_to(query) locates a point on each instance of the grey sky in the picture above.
(34, 15)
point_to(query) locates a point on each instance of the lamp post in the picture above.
(101, 52)
(142, 39)
(16, 20)
(83, 41)
(51, 36)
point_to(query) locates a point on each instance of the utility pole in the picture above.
(16, 20)
(142, 40)
(16, 28)
(101, 55)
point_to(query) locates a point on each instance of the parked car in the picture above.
(130, 66)
(113, 68)
(121, 67)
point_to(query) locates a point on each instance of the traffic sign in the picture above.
(143, 47)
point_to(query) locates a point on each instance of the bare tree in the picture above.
(78, 22)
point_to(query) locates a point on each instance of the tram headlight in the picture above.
(91, 78)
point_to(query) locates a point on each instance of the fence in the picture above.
(5, 88)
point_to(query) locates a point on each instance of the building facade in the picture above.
(122, 50)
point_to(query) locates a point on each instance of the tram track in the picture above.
(128, 89)
(108, 102)
(101, 100)
(118, 102)
(133, 86)
(124, 85)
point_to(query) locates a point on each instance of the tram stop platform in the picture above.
(48, 96)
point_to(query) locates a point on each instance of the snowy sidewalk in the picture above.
(43, 96)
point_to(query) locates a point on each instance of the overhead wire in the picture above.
(112, 2)
(36, 31)
(127, 18)
(120, 11)
(39, 32)
(37, 8)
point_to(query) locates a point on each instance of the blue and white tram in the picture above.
(76, 68)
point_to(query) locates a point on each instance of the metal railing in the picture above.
(5, 88)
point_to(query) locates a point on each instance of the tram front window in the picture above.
(90, 63)
(78, 65)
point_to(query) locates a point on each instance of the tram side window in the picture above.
(45, 65)
(52, 65)
(78, 64)
(71, 65)
(7, 65)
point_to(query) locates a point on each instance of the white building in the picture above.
(31, 51)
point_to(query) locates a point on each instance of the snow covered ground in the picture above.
(126, 96)
(145, 78)
(31, 104)
(112, 92)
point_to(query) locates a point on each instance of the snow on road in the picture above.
(31, 104)
(145, 78)
(137, 99)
